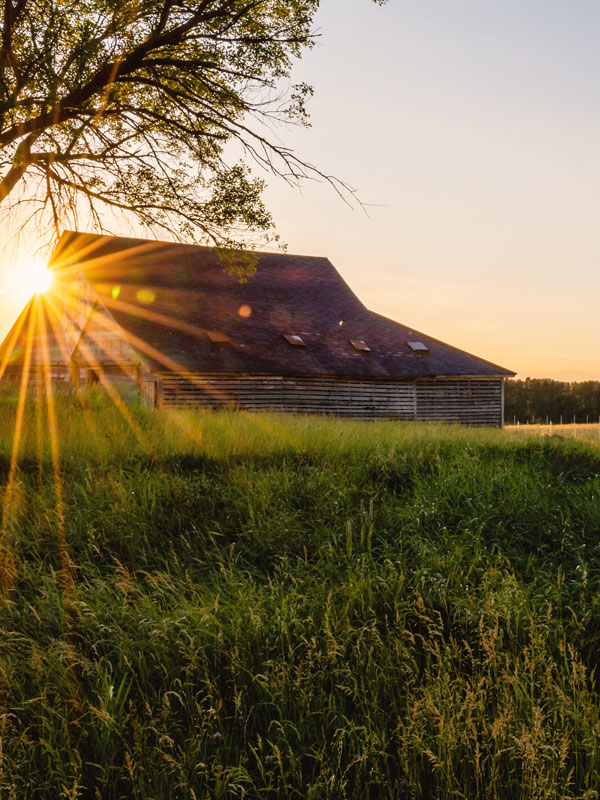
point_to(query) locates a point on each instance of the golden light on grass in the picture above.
(53, 301)
(7, 562)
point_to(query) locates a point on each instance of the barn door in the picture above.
(149, 387)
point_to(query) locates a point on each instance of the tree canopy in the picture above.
(543, 399)
(130, 104)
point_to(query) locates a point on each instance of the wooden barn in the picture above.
(176, 324)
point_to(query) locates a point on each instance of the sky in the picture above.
(472, 129)
(470, 132)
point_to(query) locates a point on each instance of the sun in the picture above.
(29, 277)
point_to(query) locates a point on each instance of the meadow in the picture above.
(589, 433)
(227, 605)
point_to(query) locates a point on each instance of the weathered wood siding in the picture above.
(345, 398)
(472, 401)
(114, 374)
(59, 376)
(104, 356)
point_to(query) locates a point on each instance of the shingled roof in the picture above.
(182, 302)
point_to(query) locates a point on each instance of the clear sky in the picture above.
(472, 130)
(473, 127)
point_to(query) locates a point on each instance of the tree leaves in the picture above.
(132, 106)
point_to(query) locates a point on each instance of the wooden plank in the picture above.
(303, 395)
(472, 401)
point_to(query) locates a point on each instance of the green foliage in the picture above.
(268, 606)
(130, 106)
(536, 399)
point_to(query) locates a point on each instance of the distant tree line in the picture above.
(540, 400)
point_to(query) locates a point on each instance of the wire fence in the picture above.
(585, 428)
(587, 419)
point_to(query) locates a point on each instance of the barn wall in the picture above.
(345, 398)
(59, 375)
(101, 346)
(64, 381)
(472, 401)
(105, 356)
(115, 374)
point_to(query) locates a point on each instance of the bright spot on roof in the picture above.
(145, 296)
(115, 292)
(360, 345)
(28, 277)
(244, 311)
(217, 337)
(418, 346)
(341, 322)
(294, 339)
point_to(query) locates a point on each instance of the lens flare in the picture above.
(27, 278)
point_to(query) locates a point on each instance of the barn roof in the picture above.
(183, 303)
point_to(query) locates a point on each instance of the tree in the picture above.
(130, 104)
(541, 398)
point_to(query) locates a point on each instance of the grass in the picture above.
(585, 432)
(229, 605)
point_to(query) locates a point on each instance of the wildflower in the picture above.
(217, 737)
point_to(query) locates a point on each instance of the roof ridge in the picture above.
(67, 234)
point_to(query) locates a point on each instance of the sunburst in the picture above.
(28, 277)
(54, 302)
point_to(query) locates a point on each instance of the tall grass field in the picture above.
(227, 605)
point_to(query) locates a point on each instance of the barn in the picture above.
(177, 325)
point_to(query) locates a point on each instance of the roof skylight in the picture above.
(216, 337)
(418, 347)
(360, 346)
(293, 338)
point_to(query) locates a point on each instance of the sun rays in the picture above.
(28, 278)
(36, 381)
(7, 562)
(65, 333)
